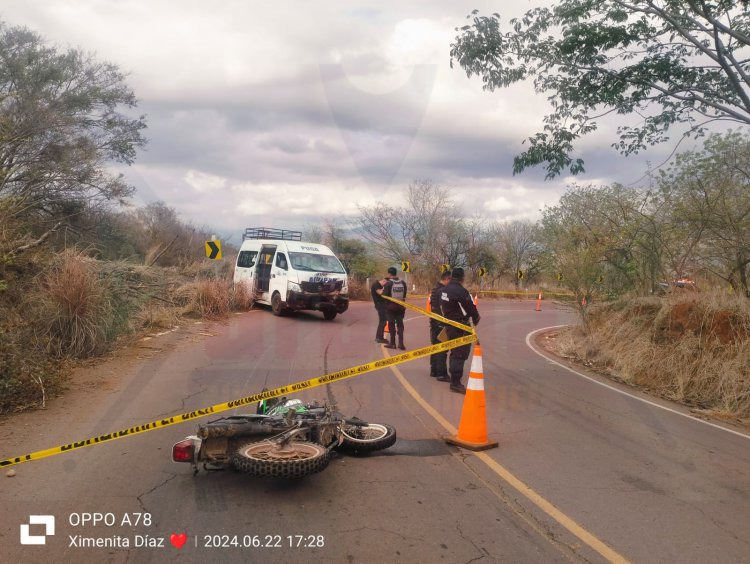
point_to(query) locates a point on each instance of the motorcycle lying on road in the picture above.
(285, 439)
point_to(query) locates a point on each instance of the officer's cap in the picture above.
(457, 273)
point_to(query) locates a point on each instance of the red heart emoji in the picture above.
(178, 540)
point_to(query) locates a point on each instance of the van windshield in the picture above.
(314, 262)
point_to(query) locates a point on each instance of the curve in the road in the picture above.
(618, 390)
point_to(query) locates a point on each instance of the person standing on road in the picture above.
(380, 303)
(438, 360)
(395, 288)
(457, 305)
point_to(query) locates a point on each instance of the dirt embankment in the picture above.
(694, 350)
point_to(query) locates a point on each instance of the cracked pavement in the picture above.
(654, 488)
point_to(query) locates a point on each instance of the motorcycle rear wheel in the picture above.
(367, 438)
(296, 459)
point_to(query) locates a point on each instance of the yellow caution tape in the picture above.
(218, 408)
(528, 293)
(433, 315)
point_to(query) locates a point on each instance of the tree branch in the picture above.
(163, 251)
(23, 248)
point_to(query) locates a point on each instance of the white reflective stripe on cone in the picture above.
(476, 384)
(476, 364)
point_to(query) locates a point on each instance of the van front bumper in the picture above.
(317, 302)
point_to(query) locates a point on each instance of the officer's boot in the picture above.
(457, 386)
(456, 369)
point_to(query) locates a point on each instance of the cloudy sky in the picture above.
(285, 113)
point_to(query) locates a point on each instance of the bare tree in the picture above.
(410, 231)
(382, 225)
(520, 247)
(428, 230)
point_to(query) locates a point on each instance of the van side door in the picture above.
(264, 267)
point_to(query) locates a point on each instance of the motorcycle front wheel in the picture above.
(367, 438)
(296, 459)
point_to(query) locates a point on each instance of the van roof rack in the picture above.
(271, 233)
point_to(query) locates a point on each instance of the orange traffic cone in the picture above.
(428, 307)
(476, 299)
(539, 302)
(472, 430)
(385, 329)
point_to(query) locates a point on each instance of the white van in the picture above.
(290, 275)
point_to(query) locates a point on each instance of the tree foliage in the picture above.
(669, 61)
(354, 254)
(601, 240)
(63, 120)
(709, 194)
(612, 240)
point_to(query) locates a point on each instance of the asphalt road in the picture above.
(582, 472)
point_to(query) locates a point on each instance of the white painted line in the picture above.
(623, 392)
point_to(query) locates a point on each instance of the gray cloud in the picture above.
(278, 115)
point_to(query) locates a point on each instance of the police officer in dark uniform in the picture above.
(457, 305)
(395, 288)
(438, 360)
(380, 304)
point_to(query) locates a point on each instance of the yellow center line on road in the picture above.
(521, 487)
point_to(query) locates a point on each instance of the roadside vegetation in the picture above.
(65, 307)
(657, 66)
(692, 347)
(82, 270)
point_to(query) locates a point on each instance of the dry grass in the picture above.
(223, 270)
(691, 348)
(70, 306)
(73, 308)
(214, 298)
(27, 377)
(241, 297)
(211, 298)
(155, 316)
(358, 289)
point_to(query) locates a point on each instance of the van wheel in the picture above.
(329, 314)
(276, 304)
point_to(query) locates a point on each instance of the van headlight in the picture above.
(295, 288)
(345, 287)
